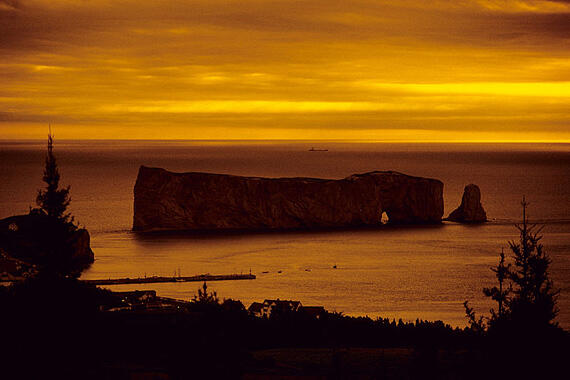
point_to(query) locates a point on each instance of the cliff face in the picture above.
(200, 201)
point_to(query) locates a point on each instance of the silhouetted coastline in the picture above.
(223, 340)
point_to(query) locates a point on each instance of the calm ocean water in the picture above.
(395, 272)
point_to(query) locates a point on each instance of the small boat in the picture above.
(265, 271)
(278, 271)
(334, 266)
(318, 150)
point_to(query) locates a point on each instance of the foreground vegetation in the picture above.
(57, 327)
(523, 333)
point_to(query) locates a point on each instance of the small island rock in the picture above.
(470, 210)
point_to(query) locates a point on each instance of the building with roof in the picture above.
(269, 307)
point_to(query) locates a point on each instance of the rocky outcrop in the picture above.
(44, 241)
(80, 243)
(471, 210)
(201, 201)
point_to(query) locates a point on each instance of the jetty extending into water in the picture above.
(155, 279)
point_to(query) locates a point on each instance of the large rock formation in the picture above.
(200, 201)
(470, 210)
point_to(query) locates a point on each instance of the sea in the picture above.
(407, 272)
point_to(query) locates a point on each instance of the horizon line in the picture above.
(522, 141)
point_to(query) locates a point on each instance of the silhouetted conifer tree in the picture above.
(56, 235)
(205, 298)
(528, 300)
(476, 324)
(531, 298)
(53, 200)
(500, 293)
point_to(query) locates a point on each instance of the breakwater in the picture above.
(156, 279)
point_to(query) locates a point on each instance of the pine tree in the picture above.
(53, 200)
(525, 295)
(533, 299)
(499, 294)
(206, 298)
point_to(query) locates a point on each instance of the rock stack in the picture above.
(471, 210)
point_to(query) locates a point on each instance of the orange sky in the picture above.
(407, 70)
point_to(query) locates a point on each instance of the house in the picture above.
(137, 296)
(146, 301)
(131, 300)
(272, 307)
(256, 309)
(316, 312)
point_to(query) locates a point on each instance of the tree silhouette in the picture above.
(499, 294)
(53, 200)
(533, 299)
(205, 298)
(55, 229)
(525, 294)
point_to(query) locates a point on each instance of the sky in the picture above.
(407, 70)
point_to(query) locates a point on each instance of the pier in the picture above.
(156, 279)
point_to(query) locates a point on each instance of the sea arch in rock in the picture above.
(165, 200)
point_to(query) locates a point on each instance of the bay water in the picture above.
(406, 272)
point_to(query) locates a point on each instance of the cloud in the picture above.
(525, 6)
(296, 64)
(8, 5)
(51, 23)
